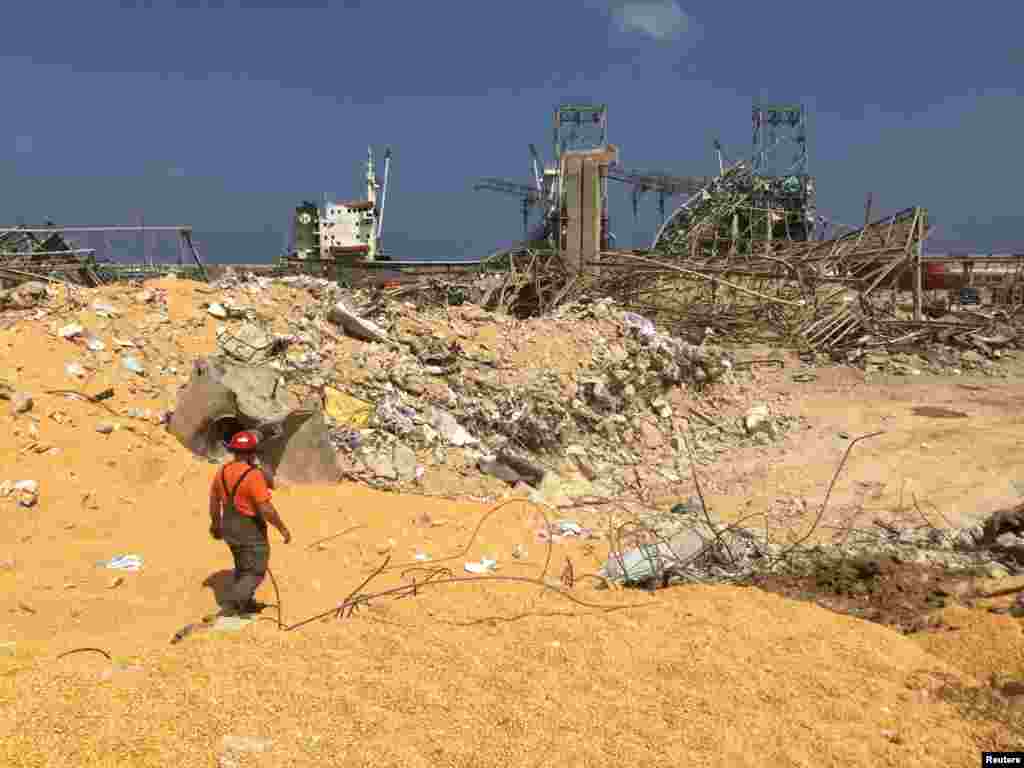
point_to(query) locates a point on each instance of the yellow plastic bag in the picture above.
(345, 409)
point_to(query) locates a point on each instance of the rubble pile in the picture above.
(458, 399)
(938, 360)
(429, 392)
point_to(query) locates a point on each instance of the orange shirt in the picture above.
(251, 492)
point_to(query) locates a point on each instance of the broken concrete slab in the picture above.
(403, 459)
(356, 326)
(222, 398)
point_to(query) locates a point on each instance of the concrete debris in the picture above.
(449, 429)
(508, 418)
(25, 296)
(933, 359)
(356, 326)
(223, 397)
(757, 419)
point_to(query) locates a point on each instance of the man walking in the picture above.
(240, 509)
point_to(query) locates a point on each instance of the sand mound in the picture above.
(701, 673)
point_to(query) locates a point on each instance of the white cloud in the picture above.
(23, 145)
(662, 20)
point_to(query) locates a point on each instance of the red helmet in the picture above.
(243, 442)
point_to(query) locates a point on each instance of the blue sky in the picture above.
(224, 115)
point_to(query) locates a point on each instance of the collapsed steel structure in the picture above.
(48, 253)
(710, 272)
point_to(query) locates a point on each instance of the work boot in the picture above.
(231, 608)
(251, 606)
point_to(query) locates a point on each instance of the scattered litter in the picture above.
(652, 561)
(28, 492)
(93, 343)
(692, 505)
(563, 528)
(569, 528)
(347, 410)
(133, 365)
(105, 310)
(422, 557)
(218, 311)
(643, 326)
(70, 331)
(485, 566)
(245, 744)
(74, 369)
(123, 563)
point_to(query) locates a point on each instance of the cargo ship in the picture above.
(342, 232)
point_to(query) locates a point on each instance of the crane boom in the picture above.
(509, 188)
(657, 182)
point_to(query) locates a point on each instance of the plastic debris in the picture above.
(652, 561)
(643, 326)
(93, 342)
(74, 369)
(133, 365)
(28, 492)
(569, 528)
(485, 566)
(123, 563)
(70, 331)
(344, 409)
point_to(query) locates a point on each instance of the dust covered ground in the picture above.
(480, 673)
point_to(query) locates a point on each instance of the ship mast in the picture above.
(371, 196)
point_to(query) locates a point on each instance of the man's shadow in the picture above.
(221, 582)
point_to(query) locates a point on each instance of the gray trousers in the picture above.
(250, 569)
(250, 547)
